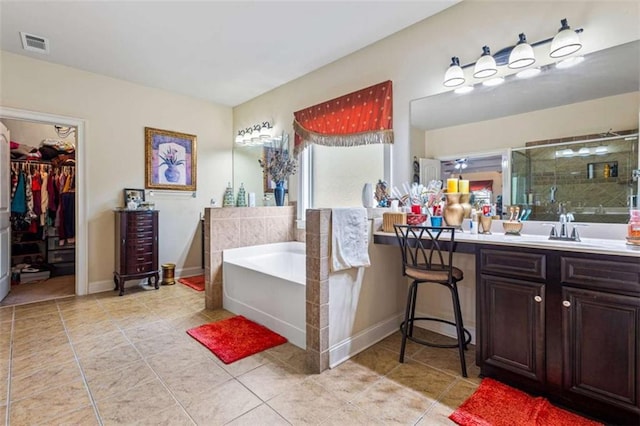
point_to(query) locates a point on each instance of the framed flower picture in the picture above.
(170, 160)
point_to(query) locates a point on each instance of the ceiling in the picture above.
(227, 52)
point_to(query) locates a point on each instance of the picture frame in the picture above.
(134, 194)
(267, 184)
(170, 160)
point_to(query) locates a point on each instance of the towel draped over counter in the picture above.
(349, 238)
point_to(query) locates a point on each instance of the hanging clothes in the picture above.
(44, 198)
(19, 201)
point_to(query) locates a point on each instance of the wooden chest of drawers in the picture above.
(136, 244)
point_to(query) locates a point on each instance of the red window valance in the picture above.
(359, 118)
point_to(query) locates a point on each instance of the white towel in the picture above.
(349, 238)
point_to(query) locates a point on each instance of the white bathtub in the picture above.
(266, 284)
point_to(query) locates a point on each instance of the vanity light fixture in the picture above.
(265, 130)
(486, 65)
(600, 150)
(255, 135)
(584, 151)
(454, 76)
(246, 139)
(240, 137)
(521, 55)
(461, 163)
(565, 42)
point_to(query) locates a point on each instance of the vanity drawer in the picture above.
(601, 274)
(532, 266)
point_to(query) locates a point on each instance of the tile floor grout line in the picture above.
(94, 406)
(437, 400)
(144, 359)
(8, 412)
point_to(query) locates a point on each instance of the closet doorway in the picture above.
(47, 226)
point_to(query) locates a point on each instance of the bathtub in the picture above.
(266, 284)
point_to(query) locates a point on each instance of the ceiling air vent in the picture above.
(34, 43)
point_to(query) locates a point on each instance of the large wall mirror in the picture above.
(598, 97)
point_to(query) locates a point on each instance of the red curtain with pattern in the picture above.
(359, 118)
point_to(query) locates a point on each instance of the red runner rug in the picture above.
(496, 404)
(235, 338)
(195, 282)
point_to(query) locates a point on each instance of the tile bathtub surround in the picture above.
(104, 359)
(232, 227)
(318, 223)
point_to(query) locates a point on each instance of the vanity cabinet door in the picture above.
(512, 328)
(600, 333)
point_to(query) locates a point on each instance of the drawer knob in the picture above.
(566, 303)
(538, 299)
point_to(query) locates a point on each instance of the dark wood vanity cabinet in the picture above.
(566, 325)
(136, 255)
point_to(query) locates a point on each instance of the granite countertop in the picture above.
(586, 245)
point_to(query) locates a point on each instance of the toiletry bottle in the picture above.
(473, 223)
(607, 170)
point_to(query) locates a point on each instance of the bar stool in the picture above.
(427, 254)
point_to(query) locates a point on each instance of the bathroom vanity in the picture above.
(563, 323)
(559, 319)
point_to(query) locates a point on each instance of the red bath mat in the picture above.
(497, 404)
(196, 282)
(235, 338)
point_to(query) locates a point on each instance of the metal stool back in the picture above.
(427, 257)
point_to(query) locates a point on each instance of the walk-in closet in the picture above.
(42, 184)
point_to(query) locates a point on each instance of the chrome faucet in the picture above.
(564, 220)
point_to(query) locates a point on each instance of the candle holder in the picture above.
(464, 202)
(453, 212)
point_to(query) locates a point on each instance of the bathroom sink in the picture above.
(560, 243)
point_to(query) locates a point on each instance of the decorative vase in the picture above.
(368, 196)
(278, 193)
(228, 200)
(241, 199)
(453, 212)
(485, 225)
(466, 207)
(172, 174)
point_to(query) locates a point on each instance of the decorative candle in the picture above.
(452, 185)
(463, 186)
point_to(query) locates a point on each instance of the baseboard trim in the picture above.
(355, 344)
(107, 285)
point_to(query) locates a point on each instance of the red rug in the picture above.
(196, 282)
(235, 338)
(496, 404)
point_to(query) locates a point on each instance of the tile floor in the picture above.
(104, 359)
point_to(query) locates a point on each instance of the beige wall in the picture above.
(592, 117)
(116, 113)
(415, 59)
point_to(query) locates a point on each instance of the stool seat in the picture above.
(438, 273)
(427, 255)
